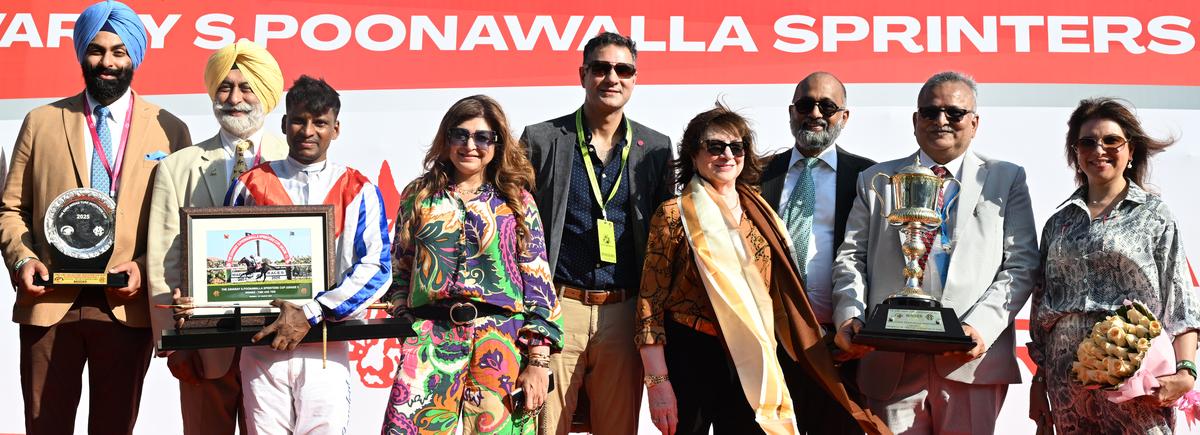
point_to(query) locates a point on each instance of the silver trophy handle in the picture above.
(878, 196)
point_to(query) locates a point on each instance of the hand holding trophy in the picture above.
(911, 320)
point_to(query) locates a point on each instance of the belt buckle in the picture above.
(456, 322)
(595, 297)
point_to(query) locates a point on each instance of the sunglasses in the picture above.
(826, 106)
(484, 139)
(1110, 143)
(601, 68)
(717, 148)
(953, 114)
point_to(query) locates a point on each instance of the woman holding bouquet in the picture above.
(1109, 242)
(470, 267)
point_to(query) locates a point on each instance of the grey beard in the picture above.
(817, 141)
(240, 126)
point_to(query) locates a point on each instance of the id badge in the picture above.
(607, 240)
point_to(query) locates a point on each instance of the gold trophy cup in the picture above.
(911, 320)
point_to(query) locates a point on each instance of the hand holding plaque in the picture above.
(80, 227)
(911, 320)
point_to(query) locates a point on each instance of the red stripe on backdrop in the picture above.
(486, 43)
(1191, 271)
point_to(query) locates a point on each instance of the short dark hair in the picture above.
(722, 118)
(314, 96)
(1141, 144)
(605, 39)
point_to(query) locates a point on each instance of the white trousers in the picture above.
(926, 403)
(288, 393)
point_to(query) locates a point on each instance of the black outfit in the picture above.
(708, 392)
(814, 407)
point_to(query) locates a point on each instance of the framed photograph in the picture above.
(250, 256)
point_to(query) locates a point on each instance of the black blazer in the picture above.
(848, 167)
(551, 146)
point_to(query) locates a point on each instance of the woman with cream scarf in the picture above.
(723, 323)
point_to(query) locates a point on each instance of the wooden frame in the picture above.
(221, 266)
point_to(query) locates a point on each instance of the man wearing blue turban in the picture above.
(108, 139)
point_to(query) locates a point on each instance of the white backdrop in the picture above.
(1025, 124)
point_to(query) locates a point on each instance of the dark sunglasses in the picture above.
(601, 68)
(1109, 143)
(826, 106)
(717, 148)
(953, 114)
(484, 139)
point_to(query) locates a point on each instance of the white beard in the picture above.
(240, 126)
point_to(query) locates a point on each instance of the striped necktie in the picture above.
(798, 215)
(928, 236)
(100, 177)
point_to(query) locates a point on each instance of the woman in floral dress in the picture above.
(1110, 241)
(470, 269)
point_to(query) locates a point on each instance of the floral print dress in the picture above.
(467, 251)
(1089, 268)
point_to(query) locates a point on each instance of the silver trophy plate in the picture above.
(80, 223)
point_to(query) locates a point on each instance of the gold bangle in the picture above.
(653, 380)
(542, 361)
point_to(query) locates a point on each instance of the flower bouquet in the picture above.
(1125, 353)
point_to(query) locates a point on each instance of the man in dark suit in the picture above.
(812, 187)
(600, 177)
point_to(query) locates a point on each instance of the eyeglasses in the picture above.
(717, 148)
(1109, 143)
(826, 106)
(484, 139)
(953, 114)
(601, 68)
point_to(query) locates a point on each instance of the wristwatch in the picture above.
(652, 380)
(1186, 365)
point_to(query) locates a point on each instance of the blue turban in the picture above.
(112, 16)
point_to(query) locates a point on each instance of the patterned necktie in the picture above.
(239, 159)
(100, 177)
(798, 215)
(928, 236)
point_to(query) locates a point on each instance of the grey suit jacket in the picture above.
(191, 177)
(990, 272)
(551, 146)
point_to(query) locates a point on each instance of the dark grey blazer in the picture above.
(551, 145)
(849, 165)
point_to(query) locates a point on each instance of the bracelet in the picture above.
(652, 380)
(536, 360)
(21, 262)
(1186, 365)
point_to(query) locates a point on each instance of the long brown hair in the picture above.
(720, 118)
(1141, 144)
(509, 171)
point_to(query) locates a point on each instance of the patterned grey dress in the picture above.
(1089, 267)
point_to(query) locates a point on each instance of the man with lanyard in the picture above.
(108, 139)
(599, 178)
(285, 388)
(244, 84)
(811, 186)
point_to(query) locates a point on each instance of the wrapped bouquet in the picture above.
(1121, 344)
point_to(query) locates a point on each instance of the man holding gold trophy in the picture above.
(933, 271)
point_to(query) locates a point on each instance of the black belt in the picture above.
(458, 313)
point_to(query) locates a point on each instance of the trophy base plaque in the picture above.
(84, 279)
(917, 325)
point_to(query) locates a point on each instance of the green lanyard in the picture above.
(591, 171)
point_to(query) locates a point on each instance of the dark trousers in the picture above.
(707, 389)
(52, 360)
(214, 406)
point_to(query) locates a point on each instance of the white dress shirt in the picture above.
(821, 246)
(307, 184)
(116, 127)
(228, 141)
(938, 254)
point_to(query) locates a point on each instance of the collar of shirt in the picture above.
(620, 135)
(294, 168)
(954, 166)
(116, 110)
(1136, 195)
(228, 141)
(828, 155)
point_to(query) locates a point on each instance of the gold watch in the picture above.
(652, 380)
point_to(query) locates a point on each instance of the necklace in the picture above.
(476, 190)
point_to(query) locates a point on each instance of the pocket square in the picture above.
(156, 156)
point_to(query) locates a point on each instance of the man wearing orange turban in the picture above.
(244, 83)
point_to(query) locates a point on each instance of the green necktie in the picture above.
(798, 214)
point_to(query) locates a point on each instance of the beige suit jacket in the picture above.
(989, 278)
(192, 177)
(48, 159)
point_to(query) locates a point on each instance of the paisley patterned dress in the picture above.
(467, 251)
(1089, 267)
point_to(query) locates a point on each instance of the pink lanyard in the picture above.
(113, 170)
